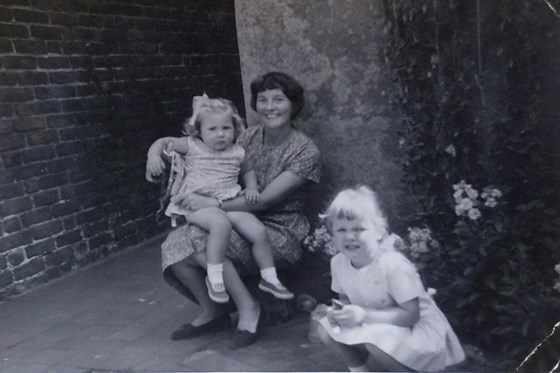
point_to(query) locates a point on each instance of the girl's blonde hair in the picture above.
(356, 203)
(204, 104)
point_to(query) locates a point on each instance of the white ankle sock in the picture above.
(215, 273)
(269, 274)
(361, 368)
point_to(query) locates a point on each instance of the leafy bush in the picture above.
(479, 166)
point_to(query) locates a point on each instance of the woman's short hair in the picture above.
(284, 82)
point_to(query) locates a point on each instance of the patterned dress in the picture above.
(429, 345)
(205, 171)
(286, 225)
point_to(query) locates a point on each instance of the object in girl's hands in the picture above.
(337, 305)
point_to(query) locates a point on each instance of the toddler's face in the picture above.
(355, 238)
(217, 130)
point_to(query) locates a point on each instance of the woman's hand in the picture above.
(194, 201)
(349, 316)
(155, 166)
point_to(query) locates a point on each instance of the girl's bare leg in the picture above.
(381, 361)
(352, 356)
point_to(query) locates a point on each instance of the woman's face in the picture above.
(274, 108)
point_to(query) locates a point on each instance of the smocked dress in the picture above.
(429, 345)
(205, 171)
(285, 223)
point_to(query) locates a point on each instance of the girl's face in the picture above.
(216, 130)
(356, 239)
(274, 108)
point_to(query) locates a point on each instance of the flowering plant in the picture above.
(320, 241)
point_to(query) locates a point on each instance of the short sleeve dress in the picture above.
(430, 345)
(285, 223)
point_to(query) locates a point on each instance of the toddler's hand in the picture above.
(252, 196)
(154, 168)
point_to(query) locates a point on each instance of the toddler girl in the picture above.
(208, 162)
(385, 320)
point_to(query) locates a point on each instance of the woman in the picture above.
(286, 161)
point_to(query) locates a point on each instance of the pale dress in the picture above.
(285, 223)
(205, 171)
(430, 345)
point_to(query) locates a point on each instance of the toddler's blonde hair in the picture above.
(204, 104)
(356, 203)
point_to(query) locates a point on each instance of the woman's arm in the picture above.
(406, 314)
(278, 189)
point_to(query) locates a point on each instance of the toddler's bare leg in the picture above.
(216, 222)
(250, 227)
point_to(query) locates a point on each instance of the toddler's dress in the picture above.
(205, 171)
(429, 345)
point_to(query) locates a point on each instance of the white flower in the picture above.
(557, 268)
(490, 202)
(474, 214)
(451, 150)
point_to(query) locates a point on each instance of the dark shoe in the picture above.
(278, 290)
(243, 338)
(187, 331)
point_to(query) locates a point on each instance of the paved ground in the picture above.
(118, 315)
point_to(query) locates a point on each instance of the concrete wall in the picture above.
(335, 49)
(85, 87)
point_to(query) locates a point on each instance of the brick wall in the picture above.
(85, 87)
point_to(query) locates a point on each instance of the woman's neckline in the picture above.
(283, 139)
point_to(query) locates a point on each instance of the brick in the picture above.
(16, 257)
(15, 206)
(53, 62)
(3, 262)
(12, 241)
(29, 269)
(54, 47)
(45, 230)
(6, 110)
(86, 34)
(28, 16)
(6, 279)
(60, 165)
(36, 216)
(28, 171)
(20, 63)
(54, 92)
(63, 19)
(16, 94)
(69, 223)
(52, 181)
(40, 248)
(76, 47)
(12, 225)
(22, 109)
(38, 153)
(6, 46)
(46, 32)
(100, 240)
(89, 216)
(62, 6)
(7, 79)
(57, 121)
(45, 198)
(13, 31)
(91, 230)
(5, 14)
(45, 107)
(11, 142)
(60, 257)
(5, 126)
(12, 159)
(84, 62)
(69, 238)
(42, 137)
(121, 9)
(65, 77)
(69, 148)
(30, 47)
(28, 124)
(32, 78)
(11, 191)
(65, 208)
